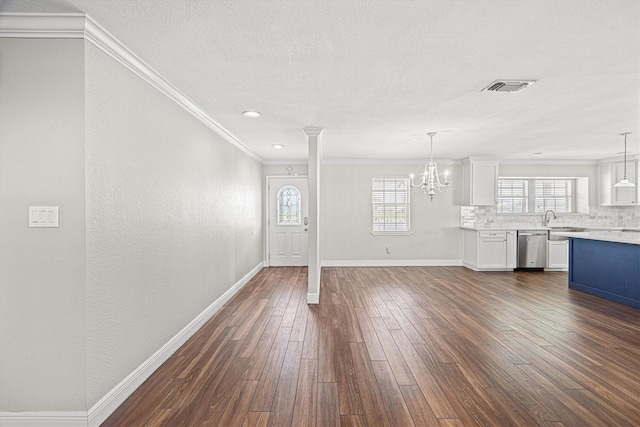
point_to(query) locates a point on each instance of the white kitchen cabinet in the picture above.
(512, 249)
(558, 254)
(493, 249)
(611, 172)
(479, 182)
(488, 250)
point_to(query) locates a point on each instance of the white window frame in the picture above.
(568, 194)
(531, 208)
(524, 198)
(298, 206)
(390, 200)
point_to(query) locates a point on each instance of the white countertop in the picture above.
(551, 228)
(632, 237)
(506, 228)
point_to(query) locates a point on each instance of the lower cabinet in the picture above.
(558, 254)
(512, 249)
(492, 252)
(489, 250)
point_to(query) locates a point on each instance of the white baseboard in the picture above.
(392, 263)
(313, 298)
(43, 419)
(110, 402)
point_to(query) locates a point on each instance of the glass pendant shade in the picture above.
(624, 182)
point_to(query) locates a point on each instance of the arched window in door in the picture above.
(288, 205)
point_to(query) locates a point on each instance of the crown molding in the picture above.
(285, 162)
(630, 158)
(82, 26)
(548, 162)
(42, 25)
(387, 161)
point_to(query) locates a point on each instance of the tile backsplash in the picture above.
(598, 216)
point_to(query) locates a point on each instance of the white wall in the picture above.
(346, 218)
(42, 270)
(174, 219)
(170, 212)
(300, 169)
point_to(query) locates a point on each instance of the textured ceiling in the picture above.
(379, 75)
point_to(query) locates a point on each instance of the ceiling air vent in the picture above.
(508, 85)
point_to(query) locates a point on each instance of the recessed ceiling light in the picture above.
(278, 146)
(251, 114)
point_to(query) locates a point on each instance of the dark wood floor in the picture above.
(436, 346)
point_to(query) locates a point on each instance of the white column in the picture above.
(315, 158)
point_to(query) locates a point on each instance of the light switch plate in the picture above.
(44, 216)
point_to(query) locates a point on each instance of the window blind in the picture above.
(513, 196)
(553, 194)
(390, 204)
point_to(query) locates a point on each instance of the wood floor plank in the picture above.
(304, 411)
(262, 348)
(270, 373)
(248, 323)
(372, 404)
(442, 346)
(328, 413)
(283, 403)
(299, 325)
(236, 412)
(439, 403)
(326, 351)
(371, 341)
(398, 365)
(418, 406)
(256, 419)
(311, 335)
(352, 421)
(348, 392)
(394, 403)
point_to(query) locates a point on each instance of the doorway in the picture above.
(288, 221)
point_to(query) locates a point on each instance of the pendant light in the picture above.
(624, 182)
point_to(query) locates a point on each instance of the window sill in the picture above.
(391, 233)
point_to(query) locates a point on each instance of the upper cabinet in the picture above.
(609, 173)
(479, 181)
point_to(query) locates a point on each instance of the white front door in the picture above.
(288, 220)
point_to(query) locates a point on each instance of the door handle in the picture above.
(305, 229)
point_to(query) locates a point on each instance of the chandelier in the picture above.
(430, 178)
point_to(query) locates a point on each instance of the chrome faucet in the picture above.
(546, 219)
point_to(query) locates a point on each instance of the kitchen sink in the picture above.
(553, 236)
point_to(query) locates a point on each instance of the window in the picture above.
(553, 194)
(288, 206)
(513, 196)
(390, 206)
(535, 195)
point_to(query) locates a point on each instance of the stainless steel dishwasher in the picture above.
(532, 248)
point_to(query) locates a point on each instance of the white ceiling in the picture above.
(379, 75)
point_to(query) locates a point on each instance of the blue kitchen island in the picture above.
(606, 264)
